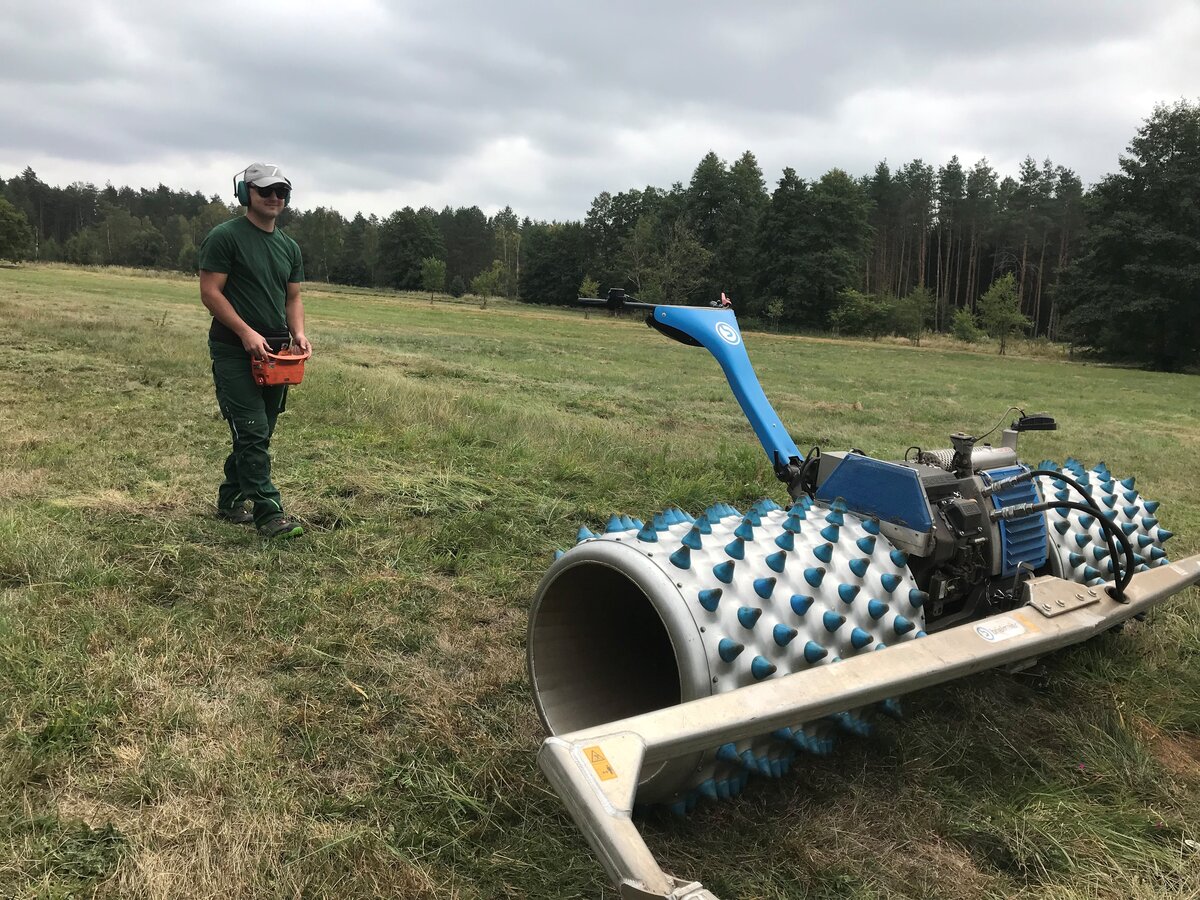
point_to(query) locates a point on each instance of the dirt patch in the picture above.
(1179, 754)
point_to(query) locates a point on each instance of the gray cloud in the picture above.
(374, 105)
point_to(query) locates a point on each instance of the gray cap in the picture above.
(262, 175)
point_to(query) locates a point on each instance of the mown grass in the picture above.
(187, 713)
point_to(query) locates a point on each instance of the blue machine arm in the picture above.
(717, 331)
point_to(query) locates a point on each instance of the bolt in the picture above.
(1079, 596)
(1046, 607)
(1060, 602)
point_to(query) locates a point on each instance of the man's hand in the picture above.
(255, 344)
(302, 343)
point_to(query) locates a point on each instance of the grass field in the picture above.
(187, 713)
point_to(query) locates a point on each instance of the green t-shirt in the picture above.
(259, 265)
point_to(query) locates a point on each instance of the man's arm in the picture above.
(294, 307)
(212, 295)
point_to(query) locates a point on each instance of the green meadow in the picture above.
(187, 712)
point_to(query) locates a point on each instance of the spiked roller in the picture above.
(675, 659)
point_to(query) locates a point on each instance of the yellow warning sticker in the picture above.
(600, 763)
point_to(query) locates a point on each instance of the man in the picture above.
(250, 275)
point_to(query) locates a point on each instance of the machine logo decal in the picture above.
(1000, 629)
(728, 333)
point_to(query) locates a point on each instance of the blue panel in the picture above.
(872, 487)
(717, 331)
(1022, 540)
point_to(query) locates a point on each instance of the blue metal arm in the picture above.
(717, 331)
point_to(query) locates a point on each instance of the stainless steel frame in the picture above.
(596, 770)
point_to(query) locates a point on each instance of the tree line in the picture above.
(904, 248)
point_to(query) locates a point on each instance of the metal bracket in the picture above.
(1063, 601)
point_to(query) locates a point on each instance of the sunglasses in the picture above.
(282, 191)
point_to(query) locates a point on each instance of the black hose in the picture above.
(1110, 528)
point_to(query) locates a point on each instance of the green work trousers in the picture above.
(251, 412)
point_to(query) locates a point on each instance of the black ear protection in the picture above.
(241, 190)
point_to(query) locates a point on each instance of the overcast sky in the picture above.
(377, 105)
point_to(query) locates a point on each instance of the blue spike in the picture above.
(760, 668)
(745, 531)
(903, 625)
(1062, 495)
(921, 633)
(708, 789)
(800, 604)
(783, 634)
(1076, 560)
(660, 523)
(1109, 500)
(786, 541)
(614, 525)
(832, 621)
(1129, 527)
(724, 571)
(728, 649)
(1130, 511)
(814, 576)
(728, 753)
(814, 651)
(710, 598)
(824, 552)
(692, 539)
(1145, 540)
(1141, 568)
(559, 554)
(891, 708)
(764, 586)
(1164, 535)
(1110, 514)
(1083, 539)
(917, 598)
(583, 534)
(839, 505)
(876, 609)
(866, 544)
(859, 566)
(792, 524)
(1152, 506)
(638, 524)
(776, 561)
(1157, 553)
(703, 525)
(1128, 482)
(1149, 522)
(1062, 526)
(681, 558)
(753, 517)
(1136, 558)
(900, 558)
(748, 616)
(830, 533)
(1099, 552)
(648, 534)
(1089, 573)
(731, 510)
(627, 523)
(890, 582)
(1086, 521)
(847, 592)
(1130, 496)
(835, 518)
(736, 548)
(860, 639)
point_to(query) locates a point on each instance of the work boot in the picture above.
(280, 527)
(238, 515)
